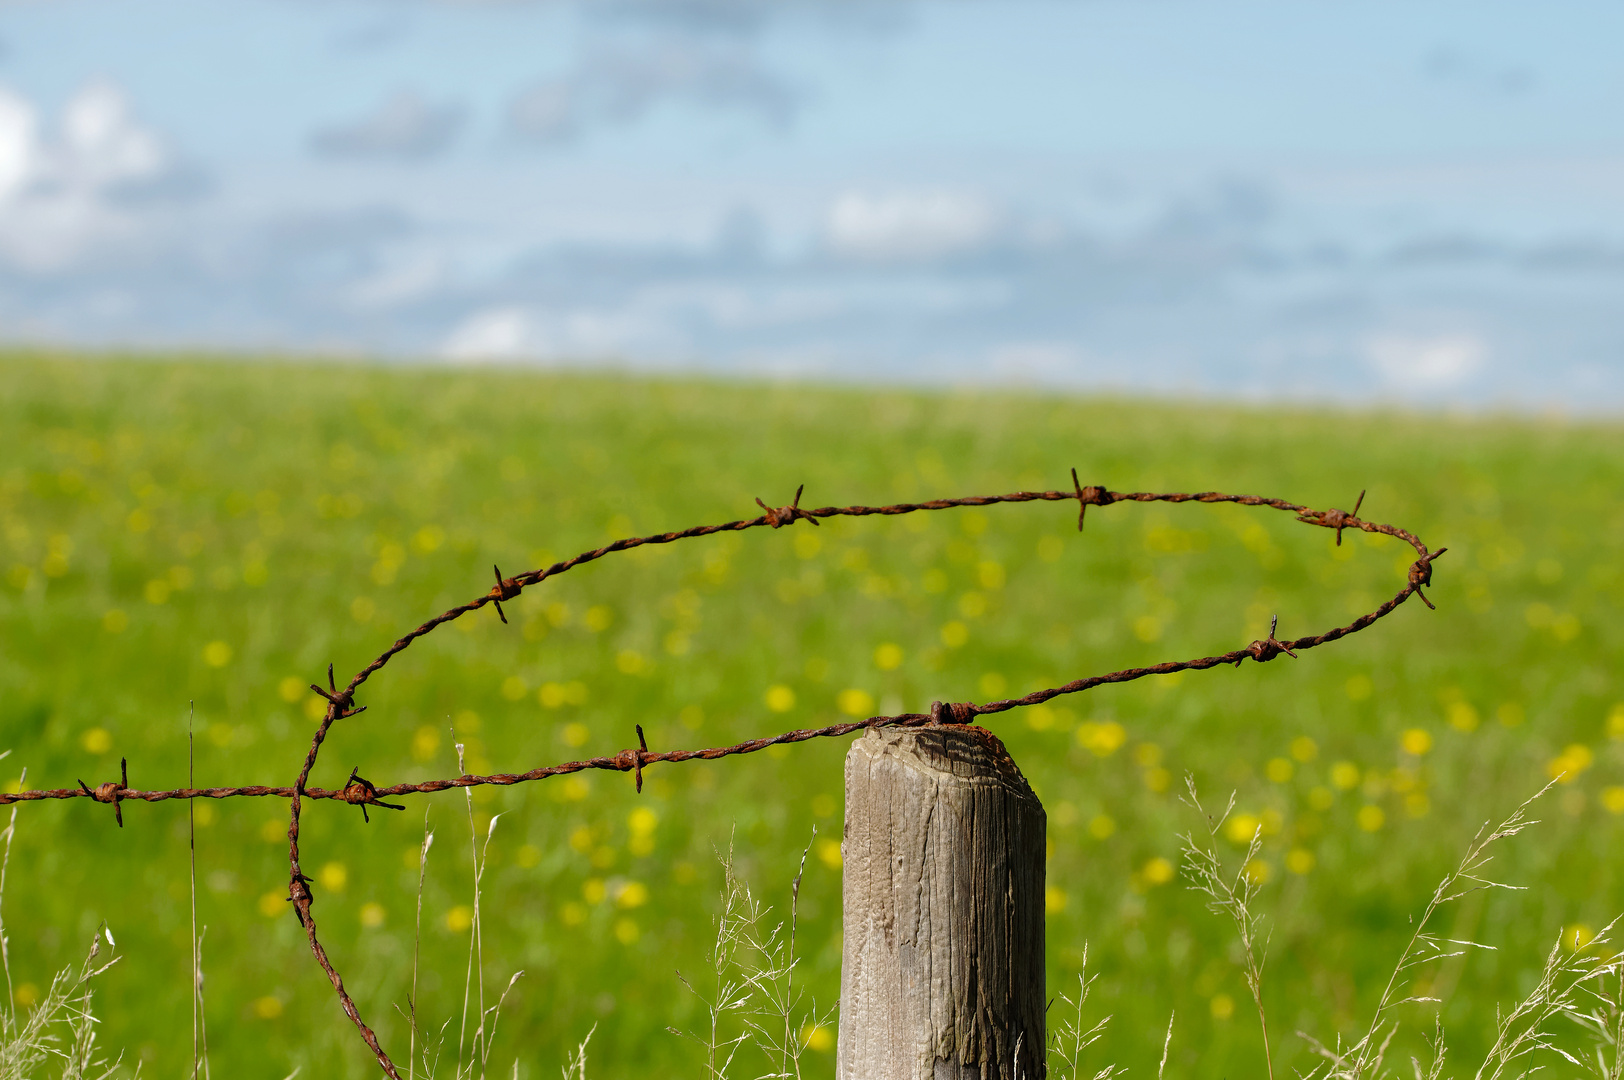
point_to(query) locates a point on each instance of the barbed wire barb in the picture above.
(359, 791)
(1270, 647)
(111, 791)
(787, 515)
(1093, 495)
(505, 589)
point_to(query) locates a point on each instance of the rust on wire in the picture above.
(1335, 519)
(1093, 495)
(336, 698)
(358, 791)
(112, 791)
(504, 589)
(1270, 647)
(787, 515)
(1421, 574)
(634, 759)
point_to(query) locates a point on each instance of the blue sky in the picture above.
(1420, 202)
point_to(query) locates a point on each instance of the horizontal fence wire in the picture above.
(360, 792)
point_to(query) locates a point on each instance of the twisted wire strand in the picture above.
(341, 702)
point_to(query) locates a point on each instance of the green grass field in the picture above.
(217, 532)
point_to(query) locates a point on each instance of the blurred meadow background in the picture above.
(311, 313)
(218, 532)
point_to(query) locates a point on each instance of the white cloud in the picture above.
(501, 333)
(99, 147)
(103, 145)
(1436, 362)
(920, 225)
(65, 193)
(508, 333)
(19, 142)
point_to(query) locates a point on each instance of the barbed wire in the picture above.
(361, 792)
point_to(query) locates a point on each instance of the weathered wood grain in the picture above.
(942, 967)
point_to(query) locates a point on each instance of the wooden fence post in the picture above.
(942, 974)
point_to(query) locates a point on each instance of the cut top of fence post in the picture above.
(942, 972)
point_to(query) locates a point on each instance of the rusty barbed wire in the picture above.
(360, 792)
